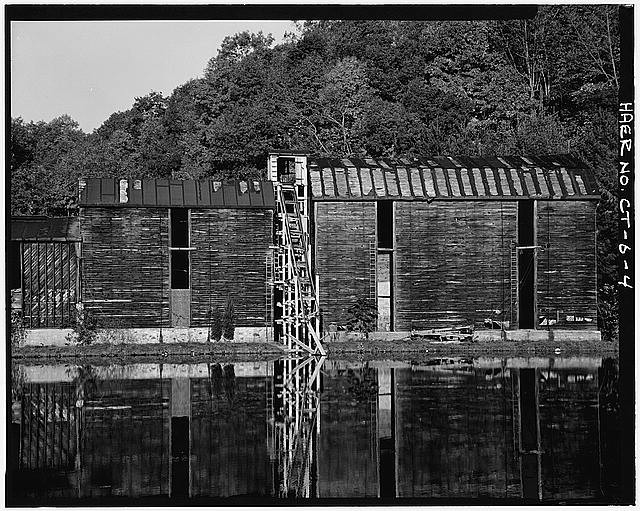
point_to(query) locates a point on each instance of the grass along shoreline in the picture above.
(351, 349)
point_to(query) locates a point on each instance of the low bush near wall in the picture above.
(228, 321)
(362, 317)
(215, 325)
(18, 332)
(84, 326)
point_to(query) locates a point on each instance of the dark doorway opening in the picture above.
(385, 224)
(526, 264)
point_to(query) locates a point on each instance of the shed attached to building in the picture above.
(43, 270)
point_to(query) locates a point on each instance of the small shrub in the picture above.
(362, 317)
(18, 332)
(84, 327)
(228, 321)
(215, 324)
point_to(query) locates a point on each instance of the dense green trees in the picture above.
(378, 88)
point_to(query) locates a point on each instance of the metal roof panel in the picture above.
(177, 193)
(45, 229)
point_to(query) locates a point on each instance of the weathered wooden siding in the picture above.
(452, 262)
(125, 267)
(567, 270)
(230, 247)
(49, 283)
(344, 234)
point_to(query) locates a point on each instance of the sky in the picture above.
(91, 69)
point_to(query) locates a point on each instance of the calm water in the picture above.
(536, 429)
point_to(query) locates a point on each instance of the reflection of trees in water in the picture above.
(85, 382)
(609, 385)
(362, 383)
(222, 380)
(215, 379)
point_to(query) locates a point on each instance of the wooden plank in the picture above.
(428, 181)
(354, 182)
(580, 183)
(528, 181)
(479, 182)
(441, 182)
(491, 181)
(452, 178)
(566, 180)
(367, 182)
(466, 183)
(416, 182)
(403, 181)
(515, 182)
(316, 183)
(328, 182)
(378, 182)
(391, 182)
(341, 182)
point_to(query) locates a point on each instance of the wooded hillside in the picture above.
(359, 88)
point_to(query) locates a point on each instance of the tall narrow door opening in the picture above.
(526, 264)
(384, 265)
(180, 267)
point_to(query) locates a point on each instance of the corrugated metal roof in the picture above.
(41, 228)
(439, 177)
(148, 193)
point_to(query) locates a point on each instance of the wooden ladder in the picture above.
(513, 304)
(300, 313)
(373, 277)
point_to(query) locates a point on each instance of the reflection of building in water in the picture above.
(488, 428)
(455, 430)
(159, 430)
(348, 454)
